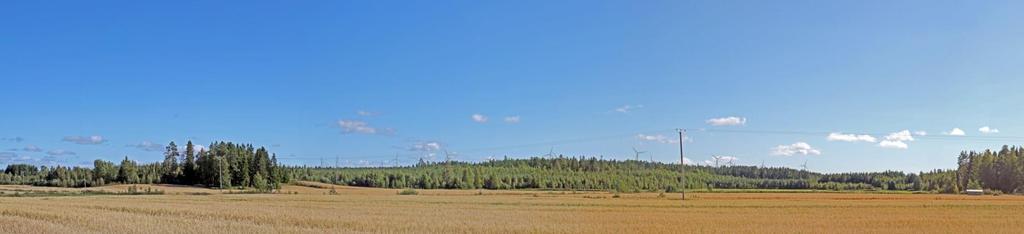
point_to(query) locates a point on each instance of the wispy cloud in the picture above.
(921, 133)
(14, 139)
(628, 108)
(955, 132)
(59, 152)
(147, 146)
(85, 140)
(988, 130)
(365, 113)
(838, 136)
(512, 119)
(425, 146)
(32, 148)
(429, 149)
(356, 126)
(479, 118)
(897, 140)
(801, 148)
(727, 121)
(657, 138)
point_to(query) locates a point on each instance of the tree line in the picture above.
(583, 173)
(221, 165)
(229, 165)
(1001, 170)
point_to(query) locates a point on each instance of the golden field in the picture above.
(304, 209)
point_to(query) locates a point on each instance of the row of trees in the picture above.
(223, 165)
(628, 176)
(229, 165)
(1002, 170)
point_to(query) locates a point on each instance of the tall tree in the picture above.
(189, 167)
(170, 166)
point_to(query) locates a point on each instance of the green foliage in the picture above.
(1001, 171)
(211, 168)
(593, 174)
(404, 192)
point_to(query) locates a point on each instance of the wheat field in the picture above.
(306, 209)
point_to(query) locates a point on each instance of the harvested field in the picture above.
(308, 209)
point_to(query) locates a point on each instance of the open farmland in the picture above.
(307, 209)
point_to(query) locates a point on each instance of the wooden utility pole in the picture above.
(682, 162)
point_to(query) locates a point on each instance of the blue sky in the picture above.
(99, 80)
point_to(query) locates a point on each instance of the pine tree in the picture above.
(170, 165)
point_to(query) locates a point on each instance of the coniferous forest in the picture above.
(221, 165)
(229, 165)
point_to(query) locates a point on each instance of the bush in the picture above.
(408, 192)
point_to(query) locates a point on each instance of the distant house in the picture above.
(975, 192)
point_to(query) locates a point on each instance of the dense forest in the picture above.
(224, 165)
(229, 165)
(571, 173)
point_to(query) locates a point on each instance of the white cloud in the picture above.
(365, 113)
(628, 108)
(657, 138)
(897, 140)
(955, 132)
(149, 146)
(198, 148)
(85, 140)
(426, 146)
(838, 136)
(921, 133)
(479, 118)
(893, 144)
(900, 136)
(512, 119)
(727, 121)
(32, 148)
(355, 126)
(795, 148)
(987, 129)
(59, 152)
(687, 161)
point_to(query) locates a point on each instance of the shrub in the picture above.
(408, 192)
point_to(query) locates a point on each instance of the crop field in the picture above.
(314, 208)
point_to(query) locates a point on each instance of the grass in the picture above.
(304, 209)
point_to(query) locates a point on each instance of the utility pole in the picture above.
(682, 163)
(336, 157)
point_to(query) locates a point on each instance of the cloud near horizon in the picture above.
(988, 130)
(60, 152)
(801, 148)
(85, 140)
(727, 121)
(148, 146)
(657, 138)
(955, 132)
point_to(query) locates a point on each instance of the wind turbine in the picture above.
(638, 153)
(449, 156)
(730, 161)
(717, 159)
(551, 153)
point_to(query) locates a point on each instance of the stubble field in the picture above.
(364, 210)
